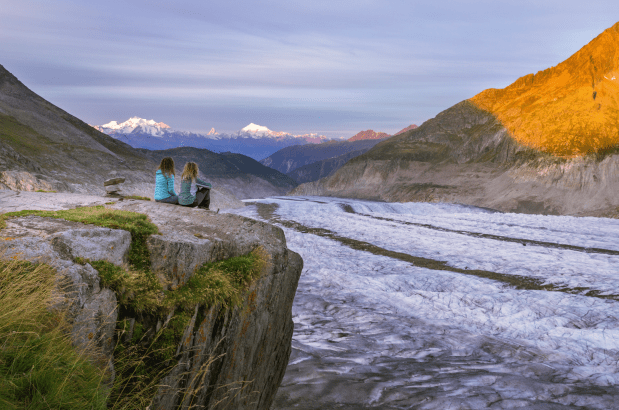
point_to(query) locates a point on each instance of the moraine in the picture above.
(421, 305)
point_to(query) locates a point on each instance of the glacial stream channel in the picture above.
(437, 306)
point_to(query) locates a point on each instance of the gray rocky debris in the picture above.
(11, 200)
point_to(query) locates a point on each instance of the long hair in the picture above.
(190, 172)
(167, 166)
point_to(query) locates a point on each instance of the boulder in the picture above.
(113, 186)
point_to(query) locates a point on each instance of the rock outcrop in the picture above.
(227, 357)
(368, 135)
(254, 338)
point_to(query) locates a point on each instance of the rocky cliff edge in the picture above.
(228, 357)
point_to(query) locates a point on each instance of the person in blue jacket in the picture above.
(164, 182)
(192, 194)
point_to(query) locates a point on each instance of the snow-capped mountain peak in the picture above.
(134, 122)
(151, 127)
(254, 140)
(255, 128)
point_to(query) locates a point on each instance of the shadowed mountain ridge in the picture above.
(290, 158)
(44, 147)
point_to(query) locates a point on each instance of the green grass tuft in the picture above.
(138, 291)
(142, 198)
(39, 368)
(223, 282)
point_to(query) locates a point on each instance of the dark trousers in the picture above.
(173, 199)
(203, 198)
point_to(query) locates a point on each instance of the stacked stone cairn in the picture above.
(113, 187)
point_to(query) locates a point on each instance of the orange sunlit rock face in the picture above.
(368, 135)
(568, 110)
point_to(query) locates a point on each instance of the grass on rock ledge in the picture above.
(142, 355)
(222, 282)
(141, 198)
(137, 224)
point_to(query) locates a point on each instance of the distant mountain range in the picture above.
(410, 127)
(305, 163)
(548, 143)
(43, 147)
(254, 140)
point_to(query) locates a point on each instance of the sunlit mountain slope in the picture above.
(549, 143)
(568, 110)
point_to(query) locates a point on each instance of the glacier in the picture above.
(418, 305)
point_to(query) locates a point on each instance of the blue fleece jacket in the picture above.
(164, 186)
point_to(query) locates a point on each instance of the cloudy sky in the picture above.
(328, 66)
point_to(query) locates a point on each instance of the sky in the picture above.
(325, 66)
